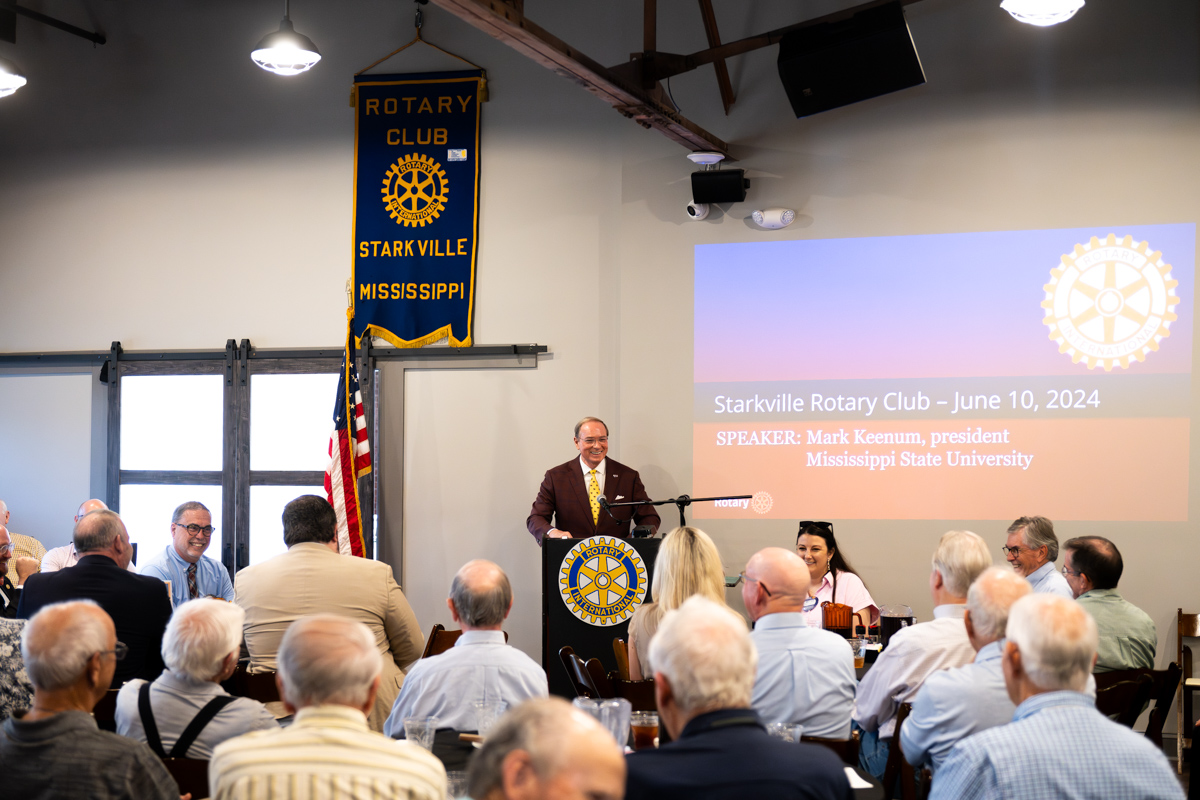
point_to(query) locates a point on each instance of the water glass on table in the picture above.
(456, 784)
(420, 731)
(857, 646)
(787, 731)
(486, 714)
(644, 725)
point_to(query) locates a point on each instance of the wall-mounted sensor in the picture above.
(697, 211)
(773, 218)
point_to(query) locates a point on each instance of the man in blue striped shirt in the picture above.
(1058, 746)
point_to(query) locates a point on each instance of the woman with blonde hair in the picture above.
(688, 563)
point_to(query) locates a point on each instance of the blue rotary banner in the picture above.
(416, 206)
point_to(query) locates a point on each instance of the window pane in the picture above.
(266, 517)
(171, 421)
(146, 512)
(291, 417)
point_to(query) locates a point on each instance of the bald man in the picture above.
(66, 556)
(805, 675)
(481, 665)
(27, 552)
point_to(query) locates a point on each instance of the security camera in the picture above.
(773, 218)
(697, 211)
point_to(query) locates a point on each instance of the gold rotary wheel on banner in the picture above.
(1111, 300)
(602, 580)
(414, 190)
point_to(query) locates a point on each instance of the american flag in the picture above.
(349, 455)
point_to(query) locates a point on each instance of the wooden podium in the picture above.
(604, 571)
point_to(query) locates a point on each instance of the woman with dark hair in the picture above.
(833, 579)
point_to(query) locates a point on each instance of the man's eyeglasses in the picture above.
(1070, 573)
(207, 530)
(747, 578)
(119, 652)
(1014, 551)
(594, 440)
(7, 548)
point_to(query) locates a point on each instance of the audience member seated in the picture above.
(480, 666)
(1032, 549)
(914, 653)
(833, 579)
(805, 675)
(688, 563)
(10, 582)
(16, 692)
(955, 703)
(200, 649)
(54, 750)
(1128, 638)
(704, 664)
(58, 558)
(547, 750)
(138, 605)
(191, 573)
(329, 674)
(24, 547)
(313, 578)
(1058, 745)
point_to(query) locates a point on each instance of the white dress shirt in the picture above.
(601, 468)
(1047, 578)
(805, 676)
(912, 654)
(479, 667)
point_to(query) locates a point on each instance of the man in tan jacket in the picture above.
(313, 578)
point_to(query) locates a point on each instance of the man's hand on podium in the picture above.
(555, 533)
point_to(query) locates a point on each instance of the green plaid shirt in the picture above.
(1127, 634)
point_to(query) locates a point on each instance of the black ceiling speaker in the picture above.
(835, 64)
(719, 186)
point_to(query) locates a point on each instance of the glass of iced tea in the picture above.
(860, 654)
(644, 725)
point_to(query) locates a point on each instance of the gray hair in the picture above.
(705, 651)
(97, 530)
(1038, 531)
(1057, 639)
(200, 636)
(538, 726)
(326, 658)
(586, 420)
(56, 657)
(190, 505)
(481, 603)
(990, 597)
(960, 557)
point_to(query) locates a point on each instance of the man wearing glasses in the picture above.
(1031, 550)
(183, 564)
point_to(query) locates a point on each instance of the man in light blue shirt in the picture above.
(805, 675)
(480, 667)
(1058, 746)
(191, 573)
(955, 703)
(1032, 549)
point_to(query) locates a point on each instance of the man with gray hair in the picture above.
(1032, 549)
(704, 671)
(915, 653)
(54, 749)
(57, 558)
(185, 713)
(138, 604)
(955, 703)
(545, 749)
(1057, 745)
(480, 667)
(329, 673)
(191, 573)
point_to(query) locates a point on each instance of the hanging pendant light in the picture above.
(11, 78)
(1042, 13)
(286, 52)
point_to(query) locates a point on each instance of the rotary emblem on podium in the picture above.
(602, 580)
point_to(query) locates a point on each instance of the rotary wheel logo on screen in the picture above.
(414, 190)
(1111, 300)
(761, 502)
(602, 580)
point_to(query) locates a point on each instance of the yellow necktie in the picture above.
(593, 496)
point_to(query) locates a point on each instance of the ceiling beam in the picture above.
(714, 40)
(506, 22)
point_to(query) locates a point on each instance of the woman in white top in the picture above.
(833, 579)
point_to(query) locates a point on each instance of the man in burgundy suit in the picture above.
(567, 491)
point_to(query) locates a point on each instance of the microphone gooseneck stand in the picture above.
(681, 502)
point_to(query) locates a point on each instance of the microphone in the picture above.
(604, 504)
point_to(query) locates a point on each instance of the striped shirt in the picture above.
(1058, 747)
(328, 753)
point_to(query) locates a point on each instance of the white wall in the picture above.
(170, 200)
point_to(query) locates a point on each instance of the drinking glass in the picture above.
(420, 730)
(645, 729)
(456, 784)
(486, 714)
(787, 731)
(860, 655)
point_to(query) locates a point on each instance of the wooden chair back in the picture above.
(1123, 697)
(1187, 626)
(846, 749)
(578, 673)
(621, 651)
(261, 686)
(899, 771)
(191, 774)
(105, 711)
(839, 618)
(1164, 685)
(599, 677)
(440, 640)
(640, 694)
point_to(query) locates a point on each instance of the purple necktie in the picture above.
(192, 590)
